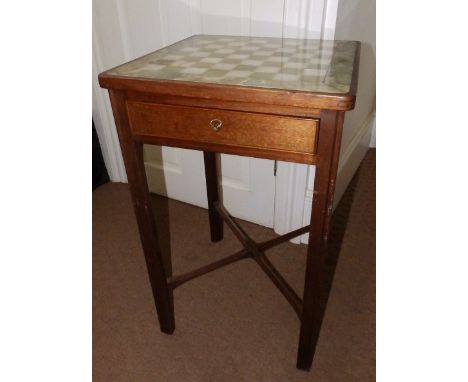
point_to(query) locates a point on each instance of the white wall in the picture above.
(356, 21)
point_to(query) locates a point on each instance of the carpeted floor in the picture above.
(231, 324)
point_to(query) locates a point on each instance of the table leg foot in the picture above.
(307, 344)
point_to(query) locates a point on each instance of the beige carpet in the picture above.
(232, 324)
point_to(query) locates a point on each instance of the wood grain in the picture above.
(230, 92)
(133, 157)
(239, 129)
(322, 203)
(247, 105)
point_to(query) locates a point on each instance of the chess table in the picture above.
(274, 98)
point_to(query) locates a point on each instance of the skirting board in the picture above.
(350, 159)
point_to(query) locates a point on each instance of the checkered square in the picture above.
(305, 65)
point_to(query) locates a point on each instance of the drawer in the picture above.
(217, 129)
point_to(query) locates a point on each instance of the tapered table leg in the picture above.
(133, 157)
(331, 123)
(212, 191)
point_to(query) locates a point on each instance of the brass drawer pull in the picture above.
(216, 124)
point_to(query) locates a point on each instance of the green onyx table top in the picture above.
(322, 66)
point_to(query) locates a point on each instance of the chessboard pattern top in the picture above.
(323, 66)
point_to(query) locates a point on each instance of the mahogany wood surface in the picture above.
(133, 157)
(265, 153)
(213, 103)
(296, 126)
(322, 204)
(238, 129)
(230, 93)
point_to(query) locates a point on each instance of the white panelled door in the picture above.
(124, 30)
(248, 185)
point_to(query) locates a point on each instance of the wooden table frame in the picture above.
(327, 109)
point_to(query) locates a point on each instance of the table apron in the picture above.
(232, 132)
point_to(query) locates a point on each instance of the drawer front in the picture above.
(223, 128)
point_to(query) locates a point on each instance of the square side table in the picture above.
(273, 98)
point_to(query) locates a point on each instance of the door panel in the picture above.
(176, 173)
(249, 188)
(247, 184)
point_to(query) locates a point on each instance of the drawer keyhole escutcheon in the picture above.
(216, 124)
